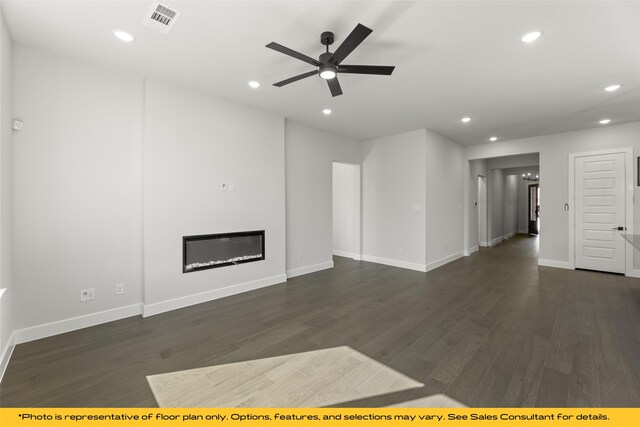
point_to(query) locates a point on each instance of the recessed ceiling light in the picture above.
(326, 111)
(465, 119)
(613, 88)
(254, 84)
(531, 36)
(605, 121)
(493, 139)
(123, 35)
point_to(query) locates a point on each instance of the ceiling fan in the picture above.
(329, 64)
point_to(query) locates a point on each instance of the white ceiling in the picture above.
(452, 58)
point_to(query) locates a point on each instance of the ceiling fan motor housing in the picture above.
(327, 38)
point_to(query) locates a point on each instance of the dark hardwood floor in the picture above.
(492, 329)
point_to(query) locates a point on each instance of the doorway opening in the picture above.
(534, 209)
(346, 210)
(482, 211)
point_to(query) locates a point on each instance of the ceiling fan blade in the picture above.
(359, 33)
(334, 86)
(282, 49)
(366, 69)
(296, 78)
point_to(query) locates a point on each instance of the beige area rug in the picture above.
(311, 379)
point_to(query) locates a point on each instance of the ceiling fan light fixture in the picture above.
(327, 72)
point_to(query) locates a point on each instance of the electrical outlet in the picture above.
(87, 294)
(120, 289)
(401, 251)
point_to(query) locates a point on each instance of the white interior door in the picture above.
(600, 210)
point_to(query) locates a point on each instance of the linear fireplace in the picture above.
(218, 250)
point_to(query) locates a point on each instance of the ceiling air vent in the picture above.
(161, 18)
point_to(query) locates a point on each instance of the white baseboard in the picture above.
(346, 254)
(74, 323)
(510, 235)
(483, 244)
(470, 251)
(554, 263)
(186, 301)
(395, 263)
(634, 273)
(7, 351)
(496, 241)
(309, 269)
(443, 261)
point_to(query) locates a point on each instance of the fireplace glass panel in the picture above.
(218, 250)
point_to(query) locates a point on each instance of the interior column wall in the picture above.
(394, 196)
(6, 183)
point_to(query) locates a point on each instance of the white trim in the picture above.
(634, 273)
(501, 238)
(75, 323)
(443, 261)
(309, 269)
(395, 263)
(483, 245)
(6, 354)
(496, 240)
(629, 220)
(470, 251)
(346, 254)
(199, 298)
(554, 263)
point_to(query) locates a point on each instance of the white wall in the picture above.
(510, 205)
(517, 161)
(310, 154)
(77, 188)
(346, 215)
(6, 224)
(413, 195)
(193, 143)
(444, 199)
(495, 203)
(554, 176)
(393, 194)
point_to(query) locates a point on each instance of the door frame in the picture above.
(628, 191)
